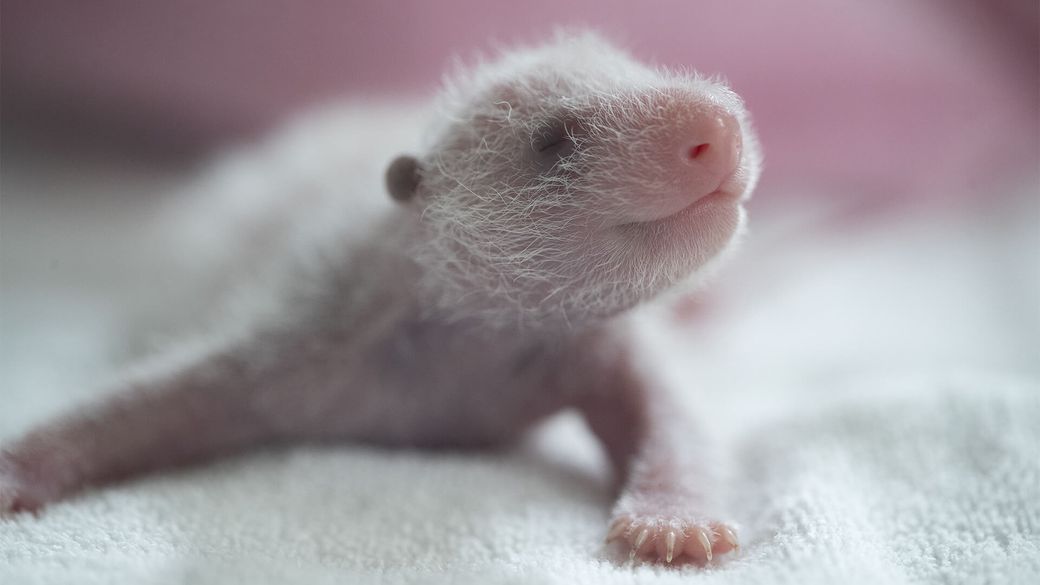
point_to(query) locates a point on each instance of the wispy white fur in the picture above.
(509, 239)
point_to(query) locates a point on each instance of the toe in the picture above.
(698, 544)
(726, 540)
(670, 545)
(641, 541)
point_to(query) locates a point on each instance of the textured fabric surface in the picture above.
(874, 385)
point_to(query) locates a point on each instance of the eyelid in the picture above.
(555, 142)
(553, 135)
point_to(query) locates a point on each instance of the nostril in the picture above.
(710, 146)
(697, 151)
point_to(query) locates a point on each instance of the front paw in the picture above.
(667, 538)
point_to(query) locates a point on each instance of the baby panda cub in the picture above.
(562, 186)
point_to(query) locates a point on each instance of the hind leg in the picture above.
(173, 419)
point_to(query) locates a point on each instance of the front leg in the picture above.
(667, 509)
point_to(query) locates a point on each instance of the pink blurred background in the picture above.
(886, 97)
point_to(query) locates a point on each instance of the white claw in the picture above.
(729, 536)
(638, 543)
(702, 536)
(669, 542)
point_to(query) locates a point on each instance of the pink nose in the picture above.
(712, 146)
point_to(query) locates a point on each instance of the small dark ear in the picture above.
(402, 178)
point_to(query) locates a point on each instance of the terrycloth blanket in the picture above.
(873, 381)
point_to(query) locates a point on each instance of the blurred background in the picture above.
(897, 220)
(936, 95)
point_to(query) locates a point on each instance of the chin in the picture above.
(722, 229)
(684, 242)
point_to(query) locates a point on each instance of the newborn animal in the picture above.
(564, 185)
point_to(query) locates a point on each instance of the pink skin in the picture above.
(230, 401)
(374, 364)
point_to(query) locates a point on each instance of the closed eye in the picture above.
(555, 143)
(549, 138)
(554, 139)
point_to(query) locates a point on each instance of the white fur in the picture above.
(493, 235)
(513, 242)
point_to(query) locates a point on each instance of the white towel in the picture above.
(875, 388)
